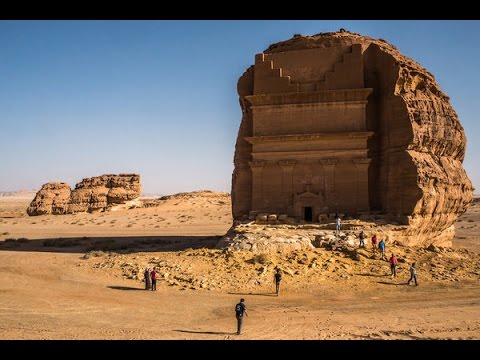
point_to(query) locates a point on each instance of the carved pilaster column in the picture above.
(362, 198)
(257, 175)
(329, 171)
(287, 180)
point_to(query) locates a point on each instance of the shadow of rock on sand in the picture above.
(207, 332)
(118, 244)
(125, 288)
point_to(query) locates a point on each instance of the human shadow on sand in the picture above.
(207, 332)
(253, 294)
(372, 275)
(390, 283)
(125, 288)
(117, 244)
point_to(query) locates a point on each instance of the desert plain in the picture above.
(81, 277)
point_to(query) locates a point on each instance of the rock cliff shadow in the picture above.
(117, 244)
(207, 332)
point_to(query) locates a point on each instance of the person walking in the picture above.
(240, 310)
(381, 247)
(146, 275)
(374, 243)
(338, 221)
(393, 265)
(277, 277)
(153, 275)
(413, 274)
(362, 239)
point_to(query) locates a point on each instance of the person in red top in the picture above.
(374, 243)
(393, 265)
(153, 275)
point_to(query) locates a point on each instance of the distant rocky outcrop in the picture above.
(52, 198)
(98, 193)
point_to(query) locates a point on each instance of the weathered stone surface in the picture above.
(52, 198)
(98, 193)
(260, 241)
(343, 123)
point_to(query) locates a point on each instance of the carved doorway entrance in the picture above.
(308, 214)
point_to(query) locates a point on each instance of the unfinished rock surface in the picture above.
(99, 193)
(343, 123)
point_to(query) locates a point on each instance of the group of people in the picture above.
(150, 278)
(241, 309)
(393, 259)
(393, 268)
(375, 244)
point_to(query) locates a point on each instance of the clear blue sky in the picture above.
(158, 98)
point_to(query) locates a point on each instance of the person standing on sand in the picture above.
(393, 265)
(338, 221)
(153, 275)
(374, 243)
(146, 275)
(277, 277)
(362, 239)
(381, 247)
(240, 310)
(413, 274)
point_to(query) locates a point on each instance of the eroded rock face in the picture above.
(98, 193)
(52, 198)
(343, 123)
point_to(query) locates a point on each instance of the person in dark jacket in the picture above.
(240, 310)
(146, 275)
(277, 277)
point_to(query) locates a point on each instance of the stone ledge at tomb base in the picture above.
(272, 233)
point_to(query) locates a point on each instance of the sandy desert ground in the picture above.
(80, 277)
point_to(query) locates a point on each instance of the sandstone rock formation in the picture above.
(52, 198)
(98, 193)
(343, 123)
